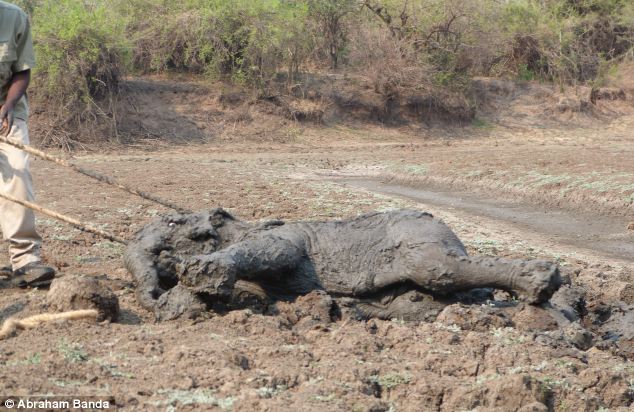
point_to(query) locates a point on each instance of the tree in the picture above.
(398, 29)
(330, 18)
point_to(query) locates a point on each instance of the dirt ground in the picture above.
(246, 361)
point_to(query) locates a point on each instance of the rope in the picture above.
(73, 222)
(94, 175)
(10, 326)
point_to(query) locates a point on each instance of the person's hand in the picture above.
(7, 114)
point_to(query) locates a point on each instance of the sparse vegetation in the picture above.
(391, 380)
(34, 359)
(71, 352)
(175, 397)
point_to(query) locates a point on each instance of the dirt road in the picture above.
(583, 232)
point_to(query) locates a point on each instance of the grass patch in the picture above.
(508, 336)
(72, 353)
(67, 384)
(412, 169)
(416, 169)
(391, 380)
(175, 397)
(110, 249)
(113, 369)
(34, 359)
(481, 124)
(325, 398)
(487, 247)
(269, 392)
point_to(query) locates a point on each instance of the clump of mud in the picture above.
(75, 293)
(476, 318)
(314, 310)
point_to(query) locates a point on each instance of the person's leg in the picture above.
(18, 222)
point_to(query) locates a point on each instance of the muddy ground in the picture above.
(562, 193)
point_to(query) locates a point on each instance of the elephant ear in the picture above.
(219, 216)
(269, 224)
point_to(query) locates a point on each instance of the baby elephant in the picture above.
(205, 259)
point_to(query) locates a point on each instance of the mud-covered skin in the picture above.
(369, 258)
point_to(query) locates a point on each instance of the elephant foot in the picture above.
(178, 302)
(537, 281)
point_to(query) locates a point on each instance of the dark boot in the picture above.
(6, 271)
(33, 274)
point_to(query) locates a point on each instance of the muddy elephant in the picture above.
(393, 264)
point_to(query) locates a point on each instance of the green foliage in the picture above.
(245, 41)
(251, 40)
(81, 51)
(567, 8)
(525, 73)
(566, 41)
(72, 353)
(329, 16)
(390, 381)
(520, 17)
(84, 47)
(78, 43)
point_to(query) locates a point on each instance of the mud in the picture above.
(315, 310)
(75, 293)
(260, 360)
(386, 262)
(613, 326)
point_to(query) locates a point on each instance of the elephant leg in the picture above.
(535, 281)
(215, 274)
(444, 273)
(148, 287)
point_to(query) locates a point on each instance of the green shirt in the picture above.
(16, 51)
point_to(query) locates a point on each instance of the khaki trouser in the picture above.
(18, 223)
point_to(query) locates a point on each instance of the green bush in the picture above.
(242, 40)
(568, 41)
(329, 17)
(250, 41)
(81, 52)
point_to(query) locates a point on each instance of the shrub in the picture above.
(242, 40)
(81, 54)
(329, 17)
(569, 41)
